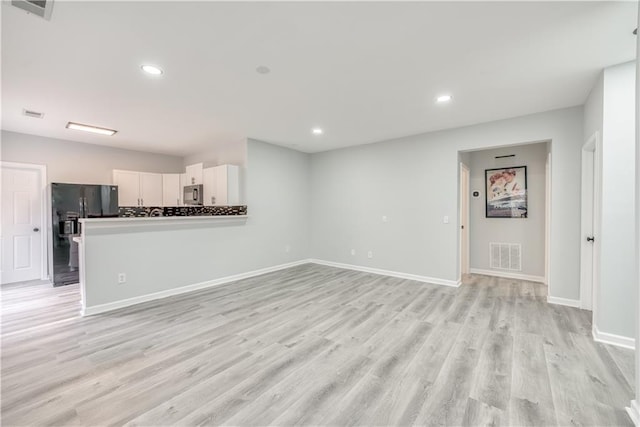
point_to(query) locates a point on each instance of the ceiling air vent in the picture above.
(41, 8)
(34, 114)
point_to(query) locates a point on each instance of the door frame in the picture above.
(44, 222)
(464, 213)
(591, 211)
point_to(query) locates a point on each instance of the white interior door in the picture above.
(22, 229)
(589, 224)
(464, 219)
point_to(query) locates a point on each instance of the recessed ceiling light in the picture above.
(151, 69)
(444, 98)
(317, 131)
(263, 69)
(92, 129)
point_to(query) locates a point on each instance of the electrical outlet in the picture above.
(122, 278)
(445, 219)
(370, 254)
(353, 251)
(384, 218)
(287, 249)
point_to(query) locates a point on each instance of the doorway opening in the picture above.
(24, 242)
(464, 220)
(504, 211)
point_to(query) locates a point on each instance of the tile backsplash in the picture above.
(143, 211)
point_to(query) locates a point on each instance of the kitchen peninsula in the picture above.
(131, 256)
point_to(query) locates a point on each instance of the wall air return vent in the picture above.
(41, 8)
(31, 113)
(505, 256)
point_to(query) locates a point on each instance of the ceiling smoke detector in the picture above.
(31, 113)
(263, 69)
(41, 8)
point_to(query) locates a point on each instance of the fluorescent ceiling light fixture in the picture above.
(317, 131)
(151, 69)
(444, 98)
(92, 129)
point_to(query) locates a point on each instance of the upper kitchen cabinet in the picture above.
(194, 174)
(138, 188)
(128, 183)
(171, 189)
(221, 186)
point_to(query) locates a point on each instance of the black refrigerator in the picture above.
(70, 202)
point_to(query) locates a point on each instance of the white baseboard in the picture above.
(564, 301)
(425, 279)
(633, 410)
(102, 308)
(613, 339)
(508, 275)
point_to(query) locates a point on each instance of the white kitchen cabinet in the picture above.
(194, 174)
(151, 189)
(209, 186)
(128, 183)
(171, 189)
(221, 186)
(138, 188)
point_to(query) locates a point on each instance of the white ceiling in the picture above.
(364, 72)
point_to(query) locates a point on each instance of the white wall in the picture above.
(616, 308)
(278, 208)
(528, 232)
(75, 162)
(414, 182)
(231, 153)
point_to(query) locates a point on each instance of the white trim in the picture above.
(102, 308)
(547, 218)
(633, 410)
(96, 225)
(425, 279)
(508, 275)
(464, 267)
(564, 301)
(613, 339)
(591, 205)
(44, 208)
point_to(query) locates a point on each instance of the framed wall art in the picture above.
(506, 192)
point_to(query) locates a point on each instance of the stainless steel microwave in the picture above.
(193, 194)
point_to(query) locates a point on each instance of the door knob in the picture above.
(36, 229)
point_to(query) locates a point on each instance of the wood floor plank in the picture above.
(310, 345)
(531, 401)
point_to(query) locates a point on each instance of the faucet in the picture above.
(156, 212)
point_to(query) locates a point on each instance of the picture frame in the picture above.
(506, 192)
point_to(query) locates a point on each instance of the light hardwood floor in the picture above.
(311, 345)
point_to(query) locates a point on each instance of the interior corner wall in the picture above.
(233, 152)
(413, 182)
(528, 232)
(80, 163)
(616, 306)
(593, 109)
